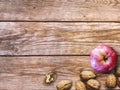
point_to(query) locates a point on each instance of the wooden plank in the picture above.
(27, 73)
(33, 38)
(60, 10)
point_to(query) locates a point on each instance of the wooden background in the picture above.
(39, 36)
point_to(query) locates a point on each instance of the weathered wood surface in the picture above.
(27, 73)
(60, 10)
(52, 38)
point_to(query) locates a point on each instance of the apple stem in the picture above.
(105, 59)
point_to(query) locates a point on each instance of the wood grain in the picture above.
(52, 38)
(27, 73)
(60, 10)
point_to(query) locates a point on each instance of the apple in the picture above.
(103, 58)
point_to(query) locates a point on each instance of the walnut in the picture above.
(111, 81)
(79, 85)
(86, 75)
(64, 85)
(93, 84)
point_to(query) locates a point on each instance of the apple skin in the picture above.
(103, 58)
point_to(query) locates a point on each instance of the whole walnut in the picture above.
(79, 85)
(93, 84)
(111, 81)
(86, 75)
(64, 85)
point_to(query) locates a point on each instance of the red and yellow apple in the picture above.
(103, 58)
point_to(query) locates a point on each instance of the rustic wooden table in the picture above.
(38, 36)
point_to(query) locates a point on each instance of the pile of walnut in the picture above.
(88, 81)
